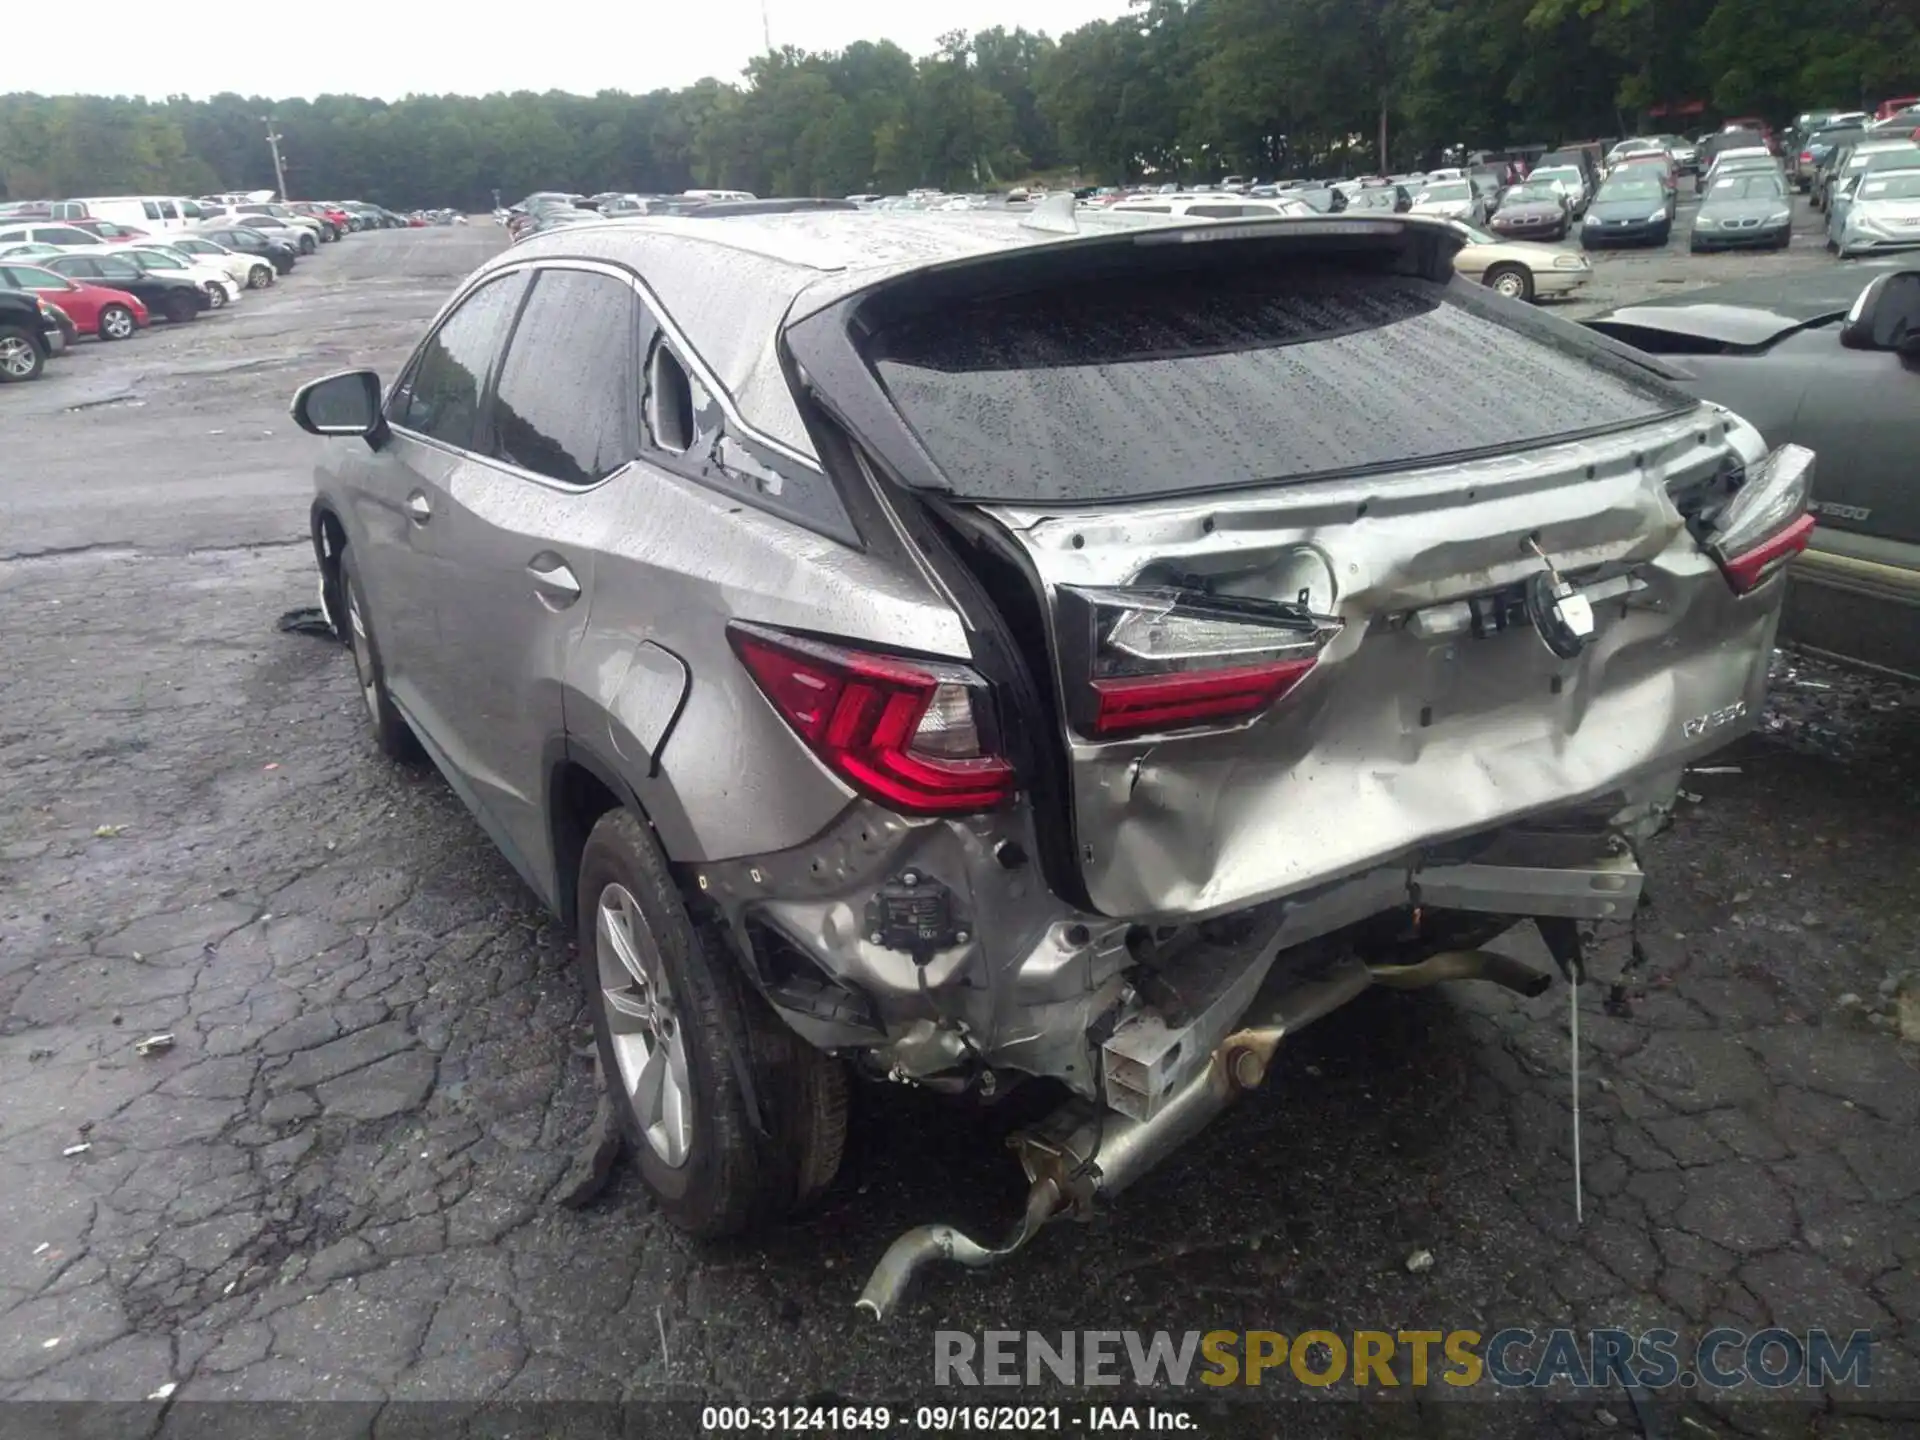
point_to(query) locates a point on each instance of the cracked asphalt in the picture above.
(340, 1181)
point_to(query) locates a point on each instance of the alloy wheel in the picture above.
(118, 323)
(649, 1044)
(16, 356)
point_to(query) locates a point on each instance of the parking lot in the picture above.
(341, 1180)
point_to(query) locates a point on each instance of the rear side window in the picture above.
(440, 396)
(149, 209)
(1125, 386)
(568, 391)
(65, 235)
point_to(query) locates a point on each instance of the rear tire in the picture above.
(20, 355)
(180, 309)
(116, 323)
(391, 733)
(259, 277)
(676, 1023)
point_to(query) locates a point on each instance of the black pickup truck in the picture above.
(30, 334)
(1829, 360)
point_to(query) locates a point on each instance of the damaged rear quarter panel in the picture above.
(1395, 740)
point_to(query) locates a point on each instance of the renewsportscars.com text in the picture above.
(1385, 1359)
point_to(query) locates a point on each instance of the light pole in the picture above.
(273, 142)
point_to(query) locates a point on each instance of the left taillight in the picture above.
(1766, 523)
(916, 735)
(1165, 660)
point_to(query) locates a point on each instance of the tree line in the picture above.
(1172, 89)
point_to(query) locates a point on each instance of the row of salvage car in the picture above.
(1072, 651)
(68, 270)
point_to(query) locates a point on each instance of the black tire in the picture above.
(116, 323)
(216, 298)
(181, 308)
(729, 1178)
(307, 243)
(22, 357)
(391, 733)
(1513, 281)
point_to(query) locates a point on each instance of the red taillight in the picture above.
(1142, 703)
(906, 732)
(1752, 568)
(1157, 659)
(1806, 157)
(1766, 523)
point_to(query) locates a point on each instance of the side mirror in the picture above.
(1886, 316)
(344, 404)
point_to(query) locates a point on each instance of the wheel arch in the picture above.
(329, 537)
(583, 784)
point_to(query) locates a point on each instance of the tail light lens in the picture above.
(916, 735)
(1159, 660)
(1806, 157)
(1766, 522)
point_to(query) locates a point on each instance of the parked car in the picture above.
(174, 297)
(1883, 213)
(1389, 199)
(1816, 147)
(1745, 208)
(1220, 205)
(222, 289)
(1854, 176)
(1519, 269)
(1632, 208)
(305, 239)
(1829, 360)
(153, 213)
(942, 737)
(66, 236)
(256, 272)
(1887, 109)
(318, 227)
(1732, 139)
(1532, 210)
(1579, 157)
(30, 335)
(1850, 162)
(248, 241)
(1737, 160)
(27, 250)
(93, 309)
(1450, 200)
(1685, 152)
(108, 231)
(1570, 181)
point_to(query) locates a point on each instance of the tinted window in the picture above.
(167, 212)
(12, 235)
(441, 395)
(150, 210)
(75, 265)
(568, 390)
(114, 268)
(65, 235)
(1216, 212)
(1116, 387)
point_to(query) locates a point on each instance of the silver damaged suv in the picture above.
(974, 651)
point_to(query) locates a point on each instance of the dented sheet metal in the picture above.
(1399, 738)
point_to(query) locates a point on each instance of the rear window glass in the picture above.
(1114, 388)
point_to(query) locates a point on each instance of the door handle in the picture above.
(419, 508)
(554, 584)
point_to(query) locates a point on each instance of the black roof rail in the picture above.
(720, 208)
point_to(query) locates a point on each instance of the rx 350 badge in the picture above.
(1714, 720)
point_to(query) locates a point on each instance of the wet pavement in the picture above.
(340, 1180)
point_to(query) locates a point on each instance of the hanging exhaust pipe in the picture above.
(1082, 1153)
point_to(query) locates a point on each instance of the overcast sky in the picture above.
(390, 48)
